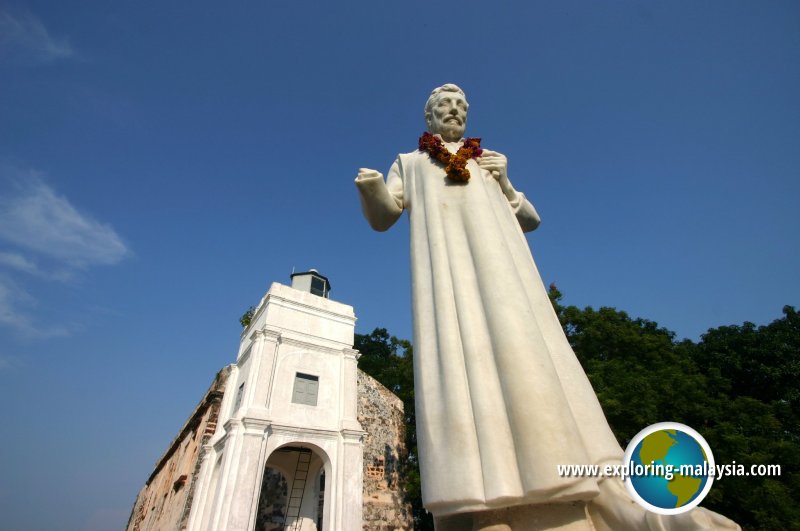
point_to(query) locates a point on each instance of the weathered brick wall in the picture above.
(165, 500)
(380, 413)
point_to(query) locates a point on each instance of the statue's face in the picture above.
(449, 116)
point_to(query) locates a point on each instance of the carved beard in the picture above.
(451, 132)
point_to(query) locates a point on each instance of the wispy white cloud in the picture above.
(40, 220)
(24, 38)
(18, 262)
(8, 361)
(14, 313)
(47, 237)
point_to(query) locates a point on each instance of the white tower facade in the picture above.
(289, 409)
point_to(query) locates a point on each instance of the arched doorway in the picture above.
(293, 489)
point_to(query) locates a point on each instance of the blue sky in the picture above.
(161, 163)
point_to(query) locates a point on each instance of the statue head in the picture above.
(446, 112)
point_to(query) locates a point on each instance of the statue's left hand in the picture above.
(497, 164)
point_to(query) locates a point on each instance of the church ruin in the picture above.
(291, 436)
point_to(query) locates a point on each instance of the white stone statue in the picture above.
(501, 398)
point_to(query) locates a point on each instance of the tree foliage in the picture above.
(738, 386)
(247, 317)
(752, 373)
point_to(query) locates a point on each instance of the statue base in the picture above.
(556, 516)
(612, 510)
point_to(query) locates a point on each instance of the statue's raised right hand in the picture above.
(365, 173)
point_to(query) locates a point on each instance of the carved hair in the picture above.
(447, 87)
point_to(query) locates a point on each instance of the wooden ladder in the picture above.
(298, 489)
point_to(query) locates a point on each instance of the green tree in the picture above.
(753, 375)
(247, 317)
(738, 387)
(640, 374)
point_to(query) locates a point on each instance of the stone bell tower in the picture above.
(287, 453)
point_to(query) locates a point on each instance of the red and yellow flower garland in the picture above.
(455, 164)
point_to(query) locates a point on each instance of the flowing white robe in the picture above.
(500, 396)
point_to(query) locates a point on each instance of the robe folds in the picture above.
(501, 398)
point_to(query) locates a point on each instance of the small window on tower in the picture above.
(317, 286)
(238, 402)
(305, 389)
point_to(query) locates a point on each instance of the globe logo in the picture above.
(670, 468)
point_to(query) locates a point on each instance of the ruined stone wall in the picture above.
(165, 500)
(272, 501)
(380, 413)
